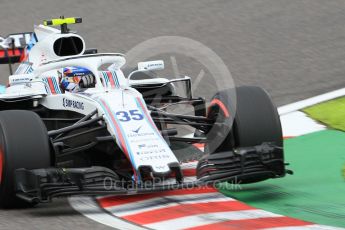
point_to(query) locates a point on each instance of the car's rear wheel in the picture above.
(23, 144)
(252, 120)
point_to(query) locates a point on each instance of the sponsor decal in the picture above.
(142, 146)
(67, 103)
(136, 130)
(159, 64)
(160, 167)
(20, 40)
(17, 80)
(148, 146)
(156, 151)
(154, 157)
(131, 135)
(154, 65)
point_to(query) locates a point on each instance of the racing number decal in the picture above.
(133, 114)
(123, 116)
(136, 115)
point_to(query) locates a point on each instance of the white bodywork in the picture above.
(123, 108)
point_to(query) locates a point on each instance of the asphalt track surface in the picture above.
(294, 49)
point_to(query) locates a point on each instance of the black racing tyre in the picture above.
(23, 144)
(252, 120)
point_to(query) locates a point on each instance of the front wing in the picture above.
(245, 165)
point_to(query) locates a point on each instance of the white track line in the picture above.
(298, 123)
(310, 101)
(210, 218)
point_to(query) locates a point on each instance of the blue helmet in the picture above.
(75, 71)
(71, 76)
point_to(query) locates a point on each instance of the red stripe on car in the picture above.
(51, 85)
(111, 79)
(118, 130)
(147, 115)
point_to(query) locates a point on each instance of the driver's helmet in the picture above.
(71, 77)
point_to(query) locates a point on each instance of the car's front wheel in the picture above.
(245, 142)
(245, 117)
(23, 144)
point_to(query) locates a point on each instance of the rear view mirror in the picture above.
(147, 66)
(151, 65)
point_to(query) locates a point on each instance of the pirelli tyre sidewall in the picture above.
(255, 120)
(23, 144)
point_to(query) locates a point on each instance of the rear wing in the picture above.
(13, 47)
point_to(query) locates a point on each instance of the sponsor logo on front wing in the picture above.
(155, 157)
(148, 146)
(155, 151)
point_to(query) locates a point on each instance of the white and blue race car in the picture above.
(70, 126)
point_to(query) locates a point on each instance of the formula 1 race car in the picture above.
(67, 127)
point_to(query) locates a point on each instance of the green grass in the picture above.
(316, 191)
(331, 113)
